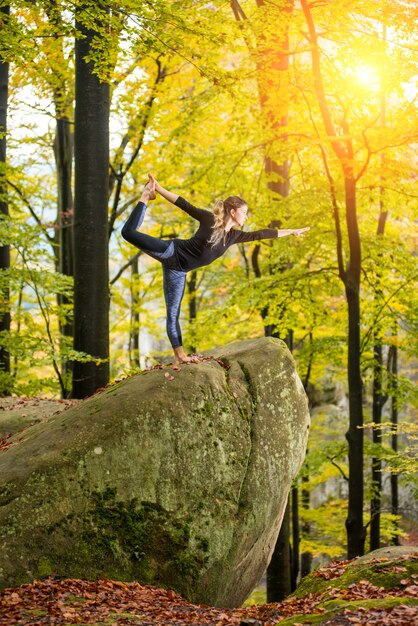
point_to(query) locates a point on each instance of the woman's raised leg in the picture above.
(154, 247)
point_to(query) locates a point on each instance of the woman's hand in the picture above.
(154, 183)
(298, 232)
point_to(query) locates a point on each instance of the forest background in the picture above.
(309, 112)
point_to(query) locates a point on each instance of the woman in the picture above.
(214, 235)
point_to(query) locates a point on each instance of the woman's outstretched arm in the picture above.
(241, 236)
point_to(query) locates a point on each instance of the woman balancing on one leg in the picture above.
(215, 234)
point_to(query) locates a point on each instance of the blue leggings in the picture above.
(174, 281)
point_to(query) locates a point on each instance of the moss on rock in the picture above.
(385, 572)
(331, 612)
(382, 568)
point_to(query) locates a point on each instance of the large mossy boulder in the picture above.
(175, 478)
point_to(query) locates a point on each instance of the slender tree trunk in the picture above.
(279, 572)
(281, 580)
(63, 150)
(356, 533)
(394, 442)
(377, 409)
(295, 536)
(375, 502)
(354, 523)
(135, 321)
(378, 396)
(306, 558)
(91, 273)
(191, 289)
(6, 383)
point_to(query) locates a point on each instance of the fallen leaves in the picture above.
(331, 571)
(177, 368)
(402, 615)
(363, 590)
(73, 601)
(54, 601)
(396, 569)
(5, 443)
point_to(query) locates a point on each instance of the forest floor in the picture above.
(335, 602)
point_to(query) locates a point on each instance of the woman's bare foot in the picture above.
(149, 188)
(151, 191)
(182, 357)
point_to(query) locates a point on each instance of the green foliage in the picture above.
(326, 537)
(404, 463)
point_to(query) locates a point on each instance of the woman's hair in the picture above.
(222, 211)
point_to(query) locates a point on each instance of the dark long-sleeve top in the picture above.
(197, 251)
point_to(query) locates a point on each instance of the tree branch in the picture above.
(340, 469)
(319, 86)
(31, 211)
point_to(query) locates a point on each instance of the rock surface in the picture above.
(173, 478)
(376, 589)
(376, 567)
(19, 413)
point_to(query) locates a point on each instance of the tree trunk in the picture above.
(279, 574)
(91, 273)
(63, 150)
(191, 289)
(6, 380)
(295, 536)
(394, 442)
(375, 502)
(356, 533)
(63, 153)
(378, 396)
(306, 558)
(134, 356)
(354, 523)
(378, 403)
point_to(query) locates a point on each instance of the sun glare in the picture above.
(367, 76)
